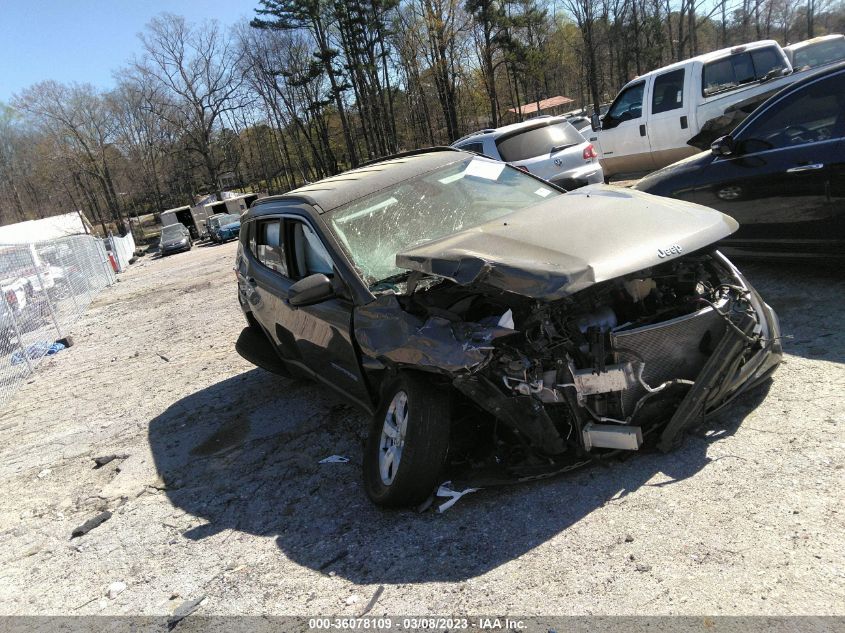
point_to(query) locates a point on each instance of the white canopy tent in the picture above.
(56, 226)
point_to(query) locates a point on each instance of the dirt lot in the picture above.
(222, 495)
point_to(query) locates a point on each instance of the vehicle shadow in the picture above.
(244, 454)
(808, 298)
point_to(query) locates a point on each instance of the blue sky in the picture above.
(85, 40)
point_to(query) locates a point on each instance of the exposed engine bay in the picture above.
(609, 368)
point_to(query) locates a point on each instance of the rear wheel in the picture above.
(408, 443)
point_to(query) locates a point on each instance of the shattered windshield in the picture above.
(459, 196)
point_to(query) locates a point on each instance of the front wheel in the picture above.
(408, 443)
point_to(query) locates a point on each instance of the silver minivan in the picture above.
(546, 146)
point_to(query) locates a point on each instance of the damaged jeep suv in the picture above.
(491, 323)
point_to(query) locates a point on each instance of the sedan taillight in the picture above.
(589, 152)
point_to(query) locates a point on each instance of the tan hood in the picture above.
(564, 245)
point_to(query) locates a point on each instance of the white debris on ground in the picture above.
(445, 490)
(217, 501)
(115, 589)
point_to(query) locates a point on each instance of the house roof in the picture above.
(544, 104)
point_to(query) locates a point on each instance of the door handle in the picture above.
(251, 281)
(684, 123)
(800, 168)
(642, 129)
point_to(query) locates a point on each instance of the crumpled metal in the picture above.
(386, 332)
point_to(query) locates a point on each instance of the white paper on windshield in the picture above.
(484, 169)
(542, 191)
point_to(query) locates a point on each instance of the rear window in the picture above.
(730, 72)
(538, 141)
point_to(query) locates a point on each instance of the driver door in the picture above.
(624, 140)
(322, 333)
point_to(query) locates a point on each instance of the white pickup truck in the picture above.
(654, 117)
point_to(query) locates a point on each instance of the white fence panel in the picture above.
(123, 249)
(44, 288)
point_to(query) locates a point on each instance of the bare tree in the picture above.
(11, 141)
(586, 14)
(197, 70)
(81, 122)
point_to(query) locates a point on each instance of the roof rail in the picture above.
(413, 152)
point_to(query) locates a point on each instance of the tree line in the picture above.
(309, 88)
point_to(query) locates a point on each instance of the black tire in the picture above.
(424, 448)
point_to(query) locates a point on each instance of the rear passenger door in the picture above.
(263, 277)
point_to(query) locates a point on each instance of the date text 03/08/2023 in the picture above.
(416, 623)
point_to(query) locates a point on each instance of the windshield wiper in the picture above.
(392, 280)
(558, 148)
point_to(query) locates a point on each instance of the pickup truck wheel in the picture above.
(408, 443)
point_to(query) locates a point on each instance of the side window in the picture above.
(668, 92)
(269, 249)
(816, 113)
(628, 104)
(309, 254)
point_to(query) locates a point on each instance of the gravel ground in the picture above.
(220, 492)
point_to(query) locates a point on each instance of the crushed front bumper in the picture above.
(766, 359)
(746, 351)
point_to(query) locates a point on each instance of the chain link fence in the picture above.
(44, 288)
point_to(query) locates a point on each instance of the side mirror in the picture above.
(723, 146)
(595, 122)
(310, 290)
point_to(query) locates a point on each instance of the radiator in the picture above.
(677, 348)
